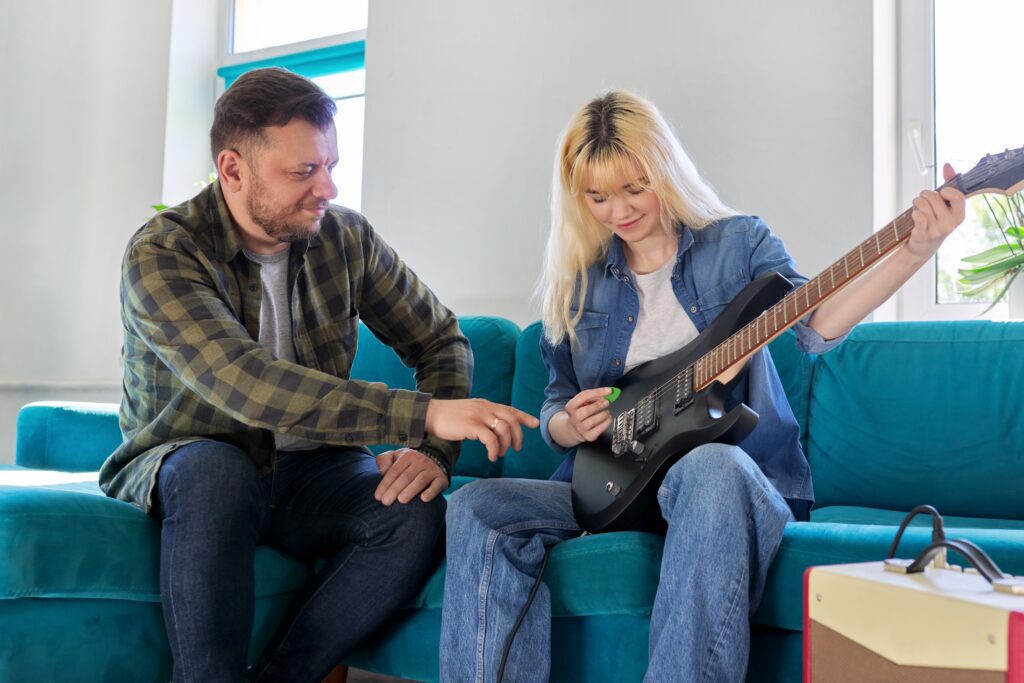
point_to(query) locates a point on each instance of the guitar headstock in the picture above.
(1001, 173)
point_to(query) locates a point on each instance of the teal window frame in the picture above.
(310, 63)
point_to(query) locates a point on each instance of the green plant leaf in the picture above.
(1015, 231)
(989, 255)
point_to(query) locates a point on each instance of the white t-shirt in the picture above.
(662, 325)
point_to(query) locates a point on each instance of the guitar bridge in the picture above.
(624, 431)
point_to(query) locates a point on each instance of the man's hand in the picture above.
(494, 425)
(406, 474)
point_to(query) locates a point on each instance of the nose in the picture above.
(324, 188)
(620, 207)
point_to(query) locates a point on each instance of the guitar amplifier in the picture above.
(875, 621)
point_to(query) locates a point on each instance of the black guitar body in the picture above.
(610, 492)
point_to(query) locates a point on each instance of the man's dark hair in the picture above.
(262, 98)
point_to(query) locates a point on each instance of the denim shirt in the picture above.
(712, 265)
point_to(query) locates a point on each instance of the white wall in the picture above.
(465, 100)
(83, 89)
(464, 103)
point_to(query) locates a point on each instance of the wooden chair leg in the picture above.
(339, 674)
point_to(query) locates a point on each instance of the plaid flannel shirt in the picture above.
(190, 308)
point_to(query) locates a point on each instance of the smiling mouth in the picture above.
(630, 224)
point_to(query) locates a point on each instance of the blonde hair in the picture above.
(617, 135)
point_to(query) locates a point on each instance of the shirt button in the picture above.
(252, 288)
(693, 309)
(403, 437)
(625, 279)
(618, 362)
(629, 318)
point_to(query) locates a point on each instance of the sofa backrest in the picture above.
(536, 460)
(78, 437)
(902, 414)
(493, 341)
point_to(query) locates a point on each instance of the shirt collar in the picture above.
(615, 262)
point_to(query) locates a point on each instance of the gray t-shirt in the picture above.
(662, 325)
(276, 325)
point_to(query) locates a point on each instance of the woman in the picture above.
(643, 255)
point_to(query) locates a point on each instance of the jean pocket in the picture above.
(714, 301)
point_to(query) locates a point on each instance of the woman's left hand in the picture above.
(936, 215)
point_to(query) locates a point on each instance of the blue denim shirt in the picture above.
(712, 265)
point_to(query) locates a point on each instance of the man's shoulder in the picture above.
(190, 222)
(342, 223)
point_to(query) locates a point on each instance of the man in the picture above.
(240, 313)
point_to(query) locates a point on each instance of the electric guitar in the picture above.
(669, 406)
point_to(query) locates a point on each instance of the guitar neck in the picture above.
(801, 301)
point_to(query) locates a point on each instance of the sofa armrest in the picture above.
(66, 436)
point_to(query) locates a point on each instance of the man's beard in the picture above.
(276, 223)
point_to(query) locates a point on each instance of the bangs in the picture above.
(607, 171)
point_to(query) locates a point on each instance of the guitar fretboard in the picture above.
(801, 301)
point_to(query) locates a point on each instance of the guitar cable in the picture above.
(522, 614)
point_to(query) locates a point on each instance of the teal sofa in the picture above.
(898, 415)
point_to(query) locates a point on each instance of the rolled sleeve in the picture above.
(562, 386)
(810, 341)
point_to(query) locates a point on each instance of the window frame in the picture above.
(915, 19)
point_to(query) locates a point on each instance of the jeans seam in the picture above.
(708, 674)
(170, 590)
(485, 581)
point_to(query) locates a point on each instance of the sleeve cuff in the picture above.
(546, 413)
(812, 342)
(405, 418)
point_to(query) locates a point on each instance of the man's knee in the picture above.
(418, 524)
(217, 473)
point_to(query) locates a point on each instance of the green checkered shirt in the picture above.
(190, 307)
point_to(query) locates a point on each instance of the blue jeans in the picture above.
(725, 524)
(316, 505)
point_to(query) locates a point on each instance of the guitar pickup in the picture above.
(646, 415)
(684, 390)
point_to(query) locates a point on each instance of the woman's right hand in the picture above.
(589, 413)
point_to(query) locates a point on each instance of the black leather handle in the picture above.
(972, 553)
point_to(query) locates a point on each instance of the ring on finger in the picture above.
(494, 425)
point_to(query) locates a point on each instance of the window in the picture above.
(958, 101)
(322, 40)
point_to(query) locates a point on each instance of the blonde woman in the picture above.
(642, 256)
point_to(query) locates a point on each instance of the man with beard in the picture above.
(240, 424)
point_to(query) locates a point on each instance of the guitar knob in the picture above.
(618, 448)
(613, 488)
(636, 448)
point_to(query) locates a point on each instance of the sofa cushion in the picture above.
(819, 542)
(74, 437)
(493, 341)
(536, 460)
(61, 537)
(908, 413)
